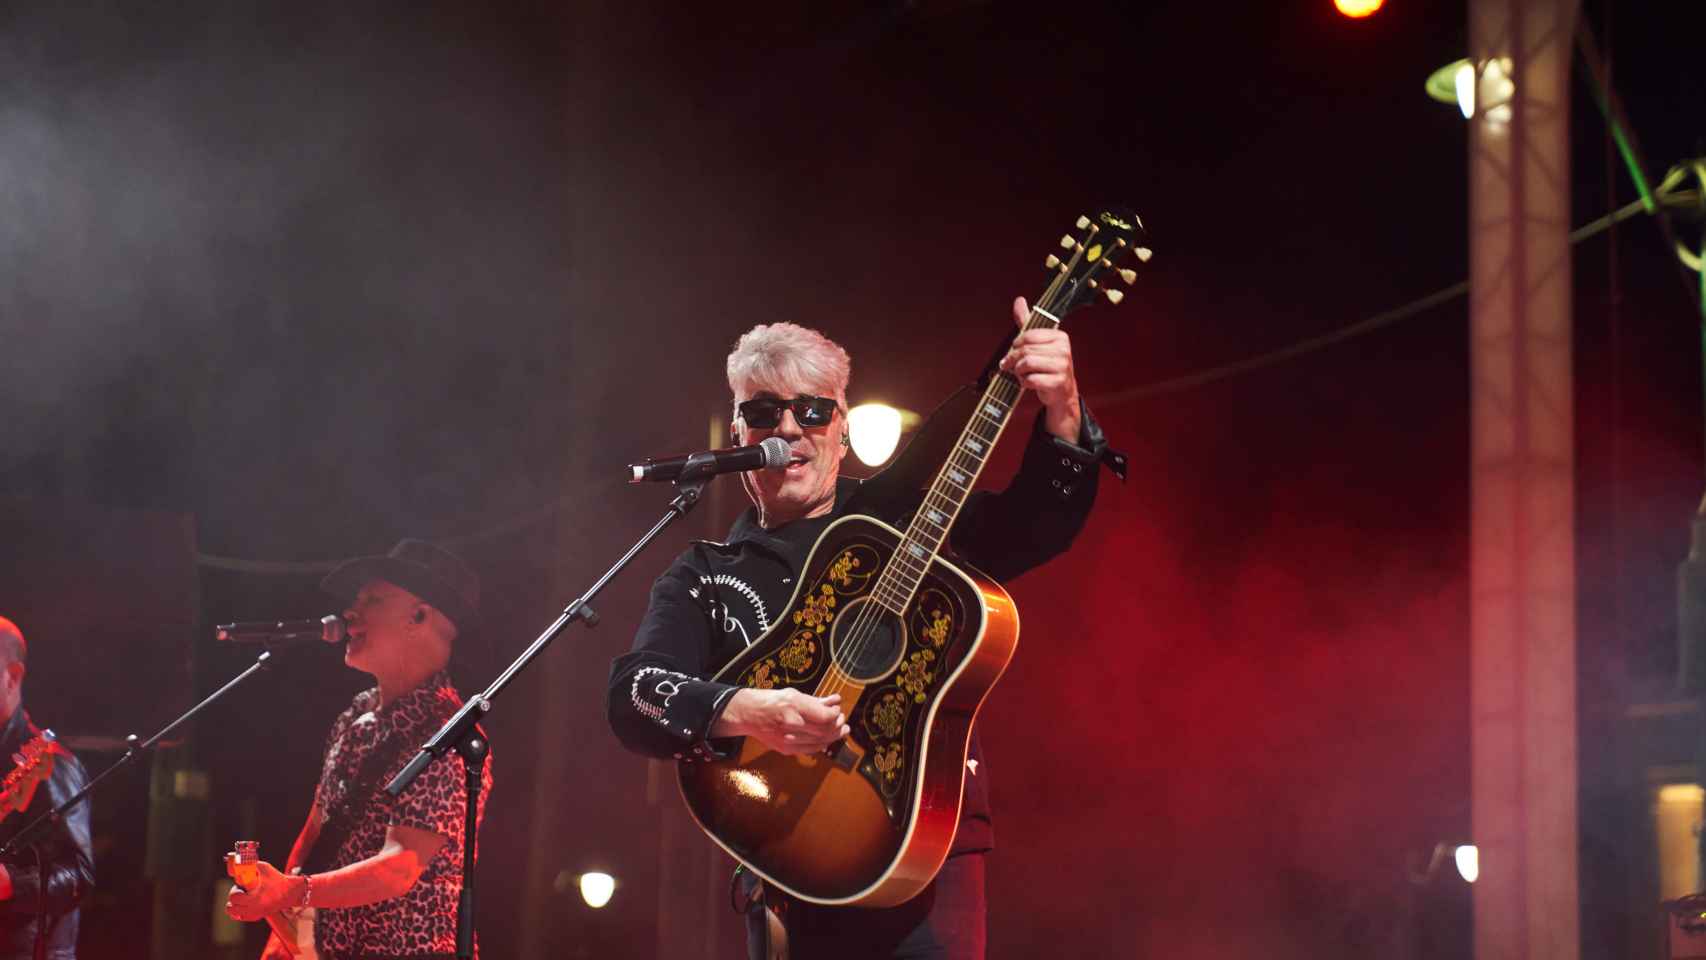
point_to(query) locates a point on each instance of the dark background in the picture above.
(317, 278)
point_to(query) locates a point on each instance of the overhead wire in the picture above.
(1665, 192)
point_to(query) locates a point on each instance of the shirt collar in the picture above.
(425, 695)
(746, 528)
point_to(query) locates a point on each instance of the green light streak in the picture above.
(1635, 173)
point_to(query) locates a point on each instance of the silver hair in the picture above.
(788, 356)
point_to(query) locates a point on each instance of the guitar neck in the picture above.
(953, 484)
(1074, 272)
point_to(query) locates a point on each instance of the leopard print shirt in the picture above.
(423, 920)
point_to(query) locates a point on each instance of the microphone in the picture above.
(329, 629)
(772, 454)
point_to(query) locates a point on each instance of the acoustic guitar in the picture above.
(911, 641)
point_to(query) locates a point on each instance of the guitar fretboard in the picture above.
(947, 495)
(1074, 281)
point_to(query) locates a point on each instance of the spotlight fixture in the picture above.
(1454, 83)
(1486, 87)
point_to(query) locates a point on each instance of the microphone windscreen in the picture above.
(776, 453)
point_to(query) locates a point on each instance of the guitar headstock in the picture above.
(1103, 251)
(33, 764)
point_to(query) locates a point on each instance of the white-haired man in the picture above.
(715, 599)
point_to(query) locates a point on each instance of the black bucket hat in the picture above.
(432, 573)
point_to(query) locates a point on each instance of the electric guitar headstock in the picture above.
(1103, 250)
(32, 765)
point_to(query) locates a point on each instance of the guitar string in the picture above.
(864, 628)
(1004, 390)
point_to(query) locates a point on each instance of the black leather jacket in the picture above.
(67, 867)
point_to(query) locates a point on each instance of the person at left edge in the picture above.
(47, 893)
(383, 874)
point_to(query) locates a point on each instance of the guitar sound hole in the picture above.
(867, 640)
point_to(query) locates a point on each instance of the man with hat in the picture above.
(383, 875)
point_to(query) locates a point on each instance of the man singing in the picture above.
(715, 599)
(41, 887)
(383, 874)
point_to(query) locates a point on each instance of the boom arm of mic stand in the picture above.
(461, 726)
(135, 747)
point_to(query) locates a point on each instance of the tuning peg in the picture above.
(1051, 262)
(1067, 243)
(1129, 276)
(1082, 222)
(1143, 253)
(1114, 296)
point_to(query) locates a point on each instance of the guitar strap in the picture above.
(342, 817)
(763, 909)
(775, 935)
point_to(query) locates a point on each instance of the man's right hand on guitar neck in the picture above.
(785, 720)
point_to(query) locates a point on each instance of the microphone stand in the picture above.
(132, 749)
(461, 733)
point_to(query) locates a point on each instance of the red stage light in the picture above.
(1358, 8)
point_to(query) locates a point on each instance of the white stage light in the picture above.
(597, 888)
(1468, 862)
(875, 432)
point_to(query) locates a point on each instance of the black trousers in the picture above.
(947, 921)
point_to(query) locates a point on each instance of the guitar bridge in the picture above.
(842, 755)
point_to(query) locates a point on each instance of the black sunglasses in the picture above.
(766, 412)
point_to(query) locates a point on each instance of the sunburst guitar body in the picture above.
(912, 642)
(871, 823)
